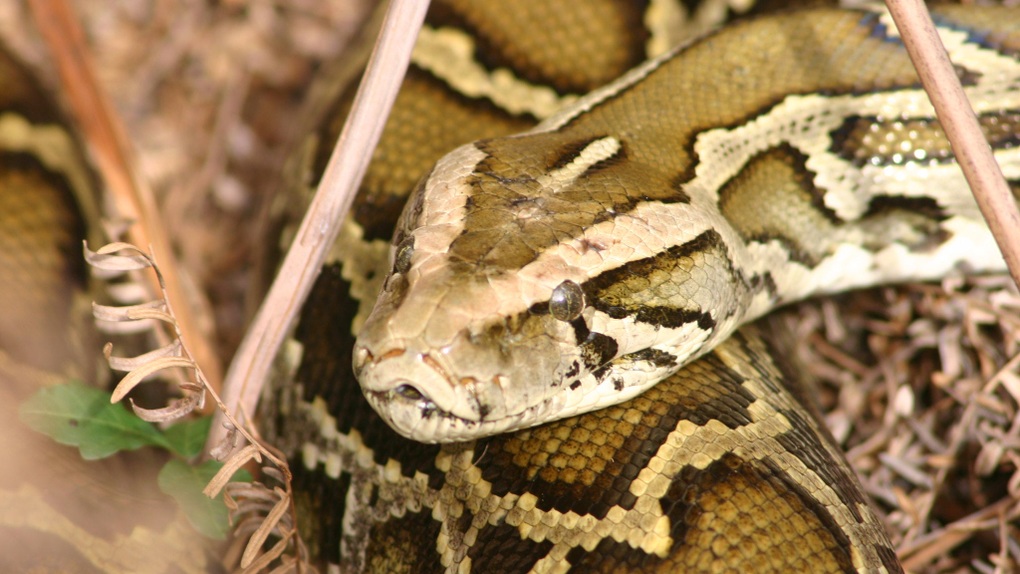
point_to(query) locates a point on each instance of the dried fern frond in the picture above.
(260, 513)
(117, 259)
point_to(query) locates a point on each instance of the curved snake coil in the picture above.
(58, 512)
(721, 465)
(575, 266)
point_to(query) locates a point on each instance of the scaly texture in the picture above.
(720, 466)
(698, 192)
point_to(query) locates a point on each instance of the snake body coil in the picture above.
(544, 275)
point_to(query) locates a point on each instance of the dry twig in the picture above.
(333, 198)
(961, 126)
(132, 199)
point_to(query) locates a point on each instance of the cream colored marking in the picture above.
(449, 54)
(711, 13)
(599, 150)
(444, 211)
(555, 562)
(28, 510)
(664, 20)
(57, 150)
(700, 446)
(337, 453)
(886, 19)
(631, 526)
(364, 264)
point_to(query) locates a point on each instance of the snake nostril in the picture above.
(362, 356)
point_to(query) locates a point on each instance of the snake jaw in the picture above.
(459, 391)
(417, 396)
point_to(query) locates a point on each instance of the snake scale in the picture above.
(780, 157)
(812, 135)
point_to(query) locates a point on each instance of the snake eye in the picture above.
(567, 301)
(402, 262)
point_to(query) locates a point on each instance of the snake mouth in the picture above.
(411, 397)
(411, 389)
(418, 418)
(412, 414)
(416, 396)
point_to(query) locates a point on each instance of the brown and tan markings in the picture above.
(640, 169)
(645, 483)
(696, 473)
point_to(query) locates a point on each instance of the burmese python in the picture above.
(719, 465)
(551, 274)
(723, 464)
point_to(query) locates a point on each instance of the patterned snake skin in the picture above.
(721, 467)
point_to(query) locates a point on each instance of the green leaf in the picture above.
(187, 438)
(184, 483)
(78, 415)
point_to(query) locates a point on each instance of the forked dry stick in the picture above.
(347, 165)
(961, 126)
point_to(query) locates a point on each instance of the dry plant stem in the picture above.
(132, 199)
(122, 257)
(961, 126)
(921, 550)
(186, 359)
(321, 224)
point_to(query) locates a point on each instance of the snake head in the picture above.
(520, 295)
(443, 358)
(456, 348)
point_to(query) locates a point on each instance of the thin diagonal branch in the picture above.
(132, 199)
(961, 126)
(321, 224)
